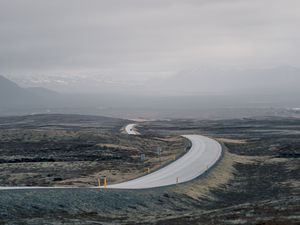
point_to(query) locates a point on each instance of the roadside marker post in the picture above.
(177, 180)
(105, 182)
(99, 183)
(174, 157)
(148, 170)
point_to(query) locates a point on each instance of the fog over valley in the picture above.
(133, 57)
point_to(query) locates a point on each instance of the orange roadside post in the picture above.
(99, 183)
(105, 182)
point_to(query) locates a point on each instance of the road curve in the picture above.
(204, 153)
(130, 129)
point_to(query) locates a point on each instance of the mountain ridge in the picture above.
(12, 95)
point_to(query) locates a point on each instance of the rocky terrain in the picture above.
(48, 150)
(256, 182)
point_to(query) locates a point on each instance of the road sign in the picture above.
(158, 151)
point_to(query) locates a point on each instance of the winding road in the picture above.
(130, 129)
(204, 153)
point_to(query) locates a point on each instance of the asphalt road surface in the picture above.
(130, 129)
(203, 154)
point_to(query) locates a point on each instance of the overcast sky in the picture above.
(137, 40)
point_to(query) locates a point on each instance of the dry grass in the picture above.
(170, 139)
(231, 141)
(218, 177)
(113, 176)
(115, 146)
(271, 160)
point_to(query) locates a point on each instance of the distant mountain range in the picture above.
(188, 93)
(12, 95)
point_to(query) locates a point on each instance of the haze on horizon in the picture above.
(125, 45)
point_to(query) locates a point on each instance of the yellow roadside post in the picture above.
(105, 182)
(148, 170)
(174, 157)
(99, 183)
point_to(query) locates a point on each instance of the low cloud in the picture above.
(137, 38)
